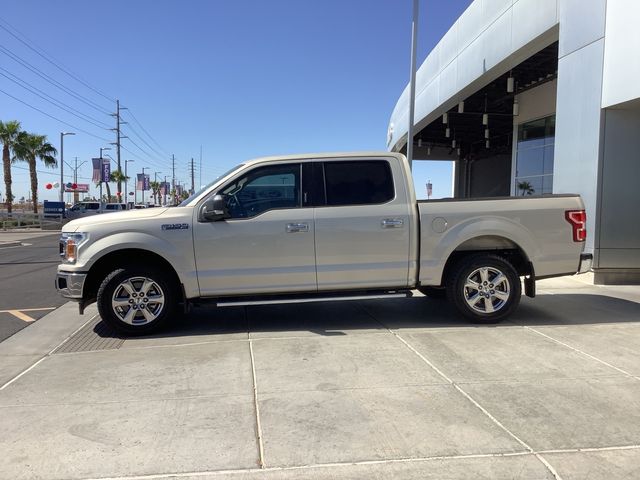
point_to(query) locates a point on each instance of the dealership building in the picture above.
(531, 97)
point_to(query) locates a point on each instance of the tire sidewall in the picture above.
(455, 288)
(115, 278)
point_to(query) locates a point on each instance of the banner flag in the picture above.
(106, 169)
(97, 170)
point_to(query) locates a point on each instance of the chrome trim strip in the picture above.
(308, 300)
(75, 284)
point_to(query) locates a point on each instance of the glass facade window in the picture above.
(534, 157)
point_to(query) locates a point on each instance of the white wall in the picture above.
(621, 53)
(579, 115)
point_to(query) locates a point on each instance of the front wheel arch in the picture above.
(120, 259)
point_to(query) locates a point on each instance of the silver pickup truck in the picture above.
(318, 227)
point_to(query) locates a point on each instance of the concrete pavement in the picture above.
(375, 389)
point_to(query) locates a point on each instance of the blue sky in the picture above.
(242, 79)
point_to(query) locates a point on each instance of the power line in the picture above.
(145, 142)
(25, 42)
(141, 149)
(48, 98)
(133, 117)
(44, 172)
(148, 159)
(55, 118)
(52, 81)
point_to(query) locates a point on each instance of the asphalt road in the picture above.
(27, 290)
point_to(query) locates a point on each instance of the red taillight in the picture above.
(578, 220)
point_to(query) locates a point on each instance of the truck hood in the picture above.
(114, 217)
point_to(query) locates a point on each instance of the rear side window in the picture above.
(358, 183)
(92, 206)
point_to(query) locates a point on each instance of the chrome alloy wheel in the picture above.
(486, 290)
(137, 300)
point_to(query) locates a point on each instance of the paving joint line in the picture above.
(41, 359)
(603, 362)
(391, 461)
(257, 408)
(530, 449)
(356, 463)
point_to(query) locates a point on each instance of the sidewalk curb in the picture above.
(23, 350)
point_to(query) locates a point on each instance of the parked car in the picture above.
(83, 209)
(314, 228)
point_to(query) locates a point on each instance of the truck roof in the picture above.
(319, 156)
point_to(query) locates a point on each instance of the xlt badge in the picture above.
(175, 226)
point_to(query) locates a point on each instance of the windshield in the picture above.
(209, 185)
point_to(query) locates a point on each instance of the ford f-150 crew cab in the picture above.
(318, 227)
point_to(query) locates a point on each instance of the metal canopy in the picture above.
(467, 128)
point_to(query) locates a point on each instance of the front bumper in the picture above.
(70, 285)
(586, 262)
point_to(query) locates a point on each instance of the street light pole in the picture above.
(102, 149)
(412, 82)
(126, 182)
(62, 134)
(143, 169)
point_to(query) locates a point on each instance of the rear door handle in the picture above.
(392, 223)
(297, 227)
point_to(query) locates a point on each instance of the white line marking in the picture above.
(583, 353)
(46, 355)
(255, 401)
(22, 373)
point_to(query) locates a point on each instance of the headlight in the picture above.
(69, 243)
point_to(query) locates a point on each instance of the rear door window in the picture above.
(367, 182)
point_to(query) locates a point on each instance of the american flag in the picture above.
(97, 170)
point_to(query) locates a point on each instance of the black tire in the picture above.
(433, 292)
(160, 287)
(492, 302)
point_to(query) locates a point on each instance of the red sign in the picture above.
(80, 187)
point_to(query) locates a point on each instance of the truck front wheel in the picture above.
(136, 300)
(485, 288)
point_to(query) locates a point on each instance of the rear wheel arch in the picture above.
(489, 244)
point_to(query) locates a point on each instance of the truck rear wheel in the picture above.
(485, 288)
(136, 300)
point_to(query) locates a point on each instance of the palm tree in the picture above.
(8, 135)
(118, 177)
(155, 189)
(526, 188)
(28, 148)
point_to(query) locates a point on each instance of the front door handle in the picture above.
(392, 223)
(297, 227)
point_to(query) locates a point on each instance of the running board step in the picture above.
(283, 299)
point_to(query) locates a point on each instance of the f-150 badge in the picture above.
(175, 226)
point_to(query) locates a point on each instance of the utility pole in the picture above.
(173, 178)
(119, 137)
(200, 181)
(192, 178)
